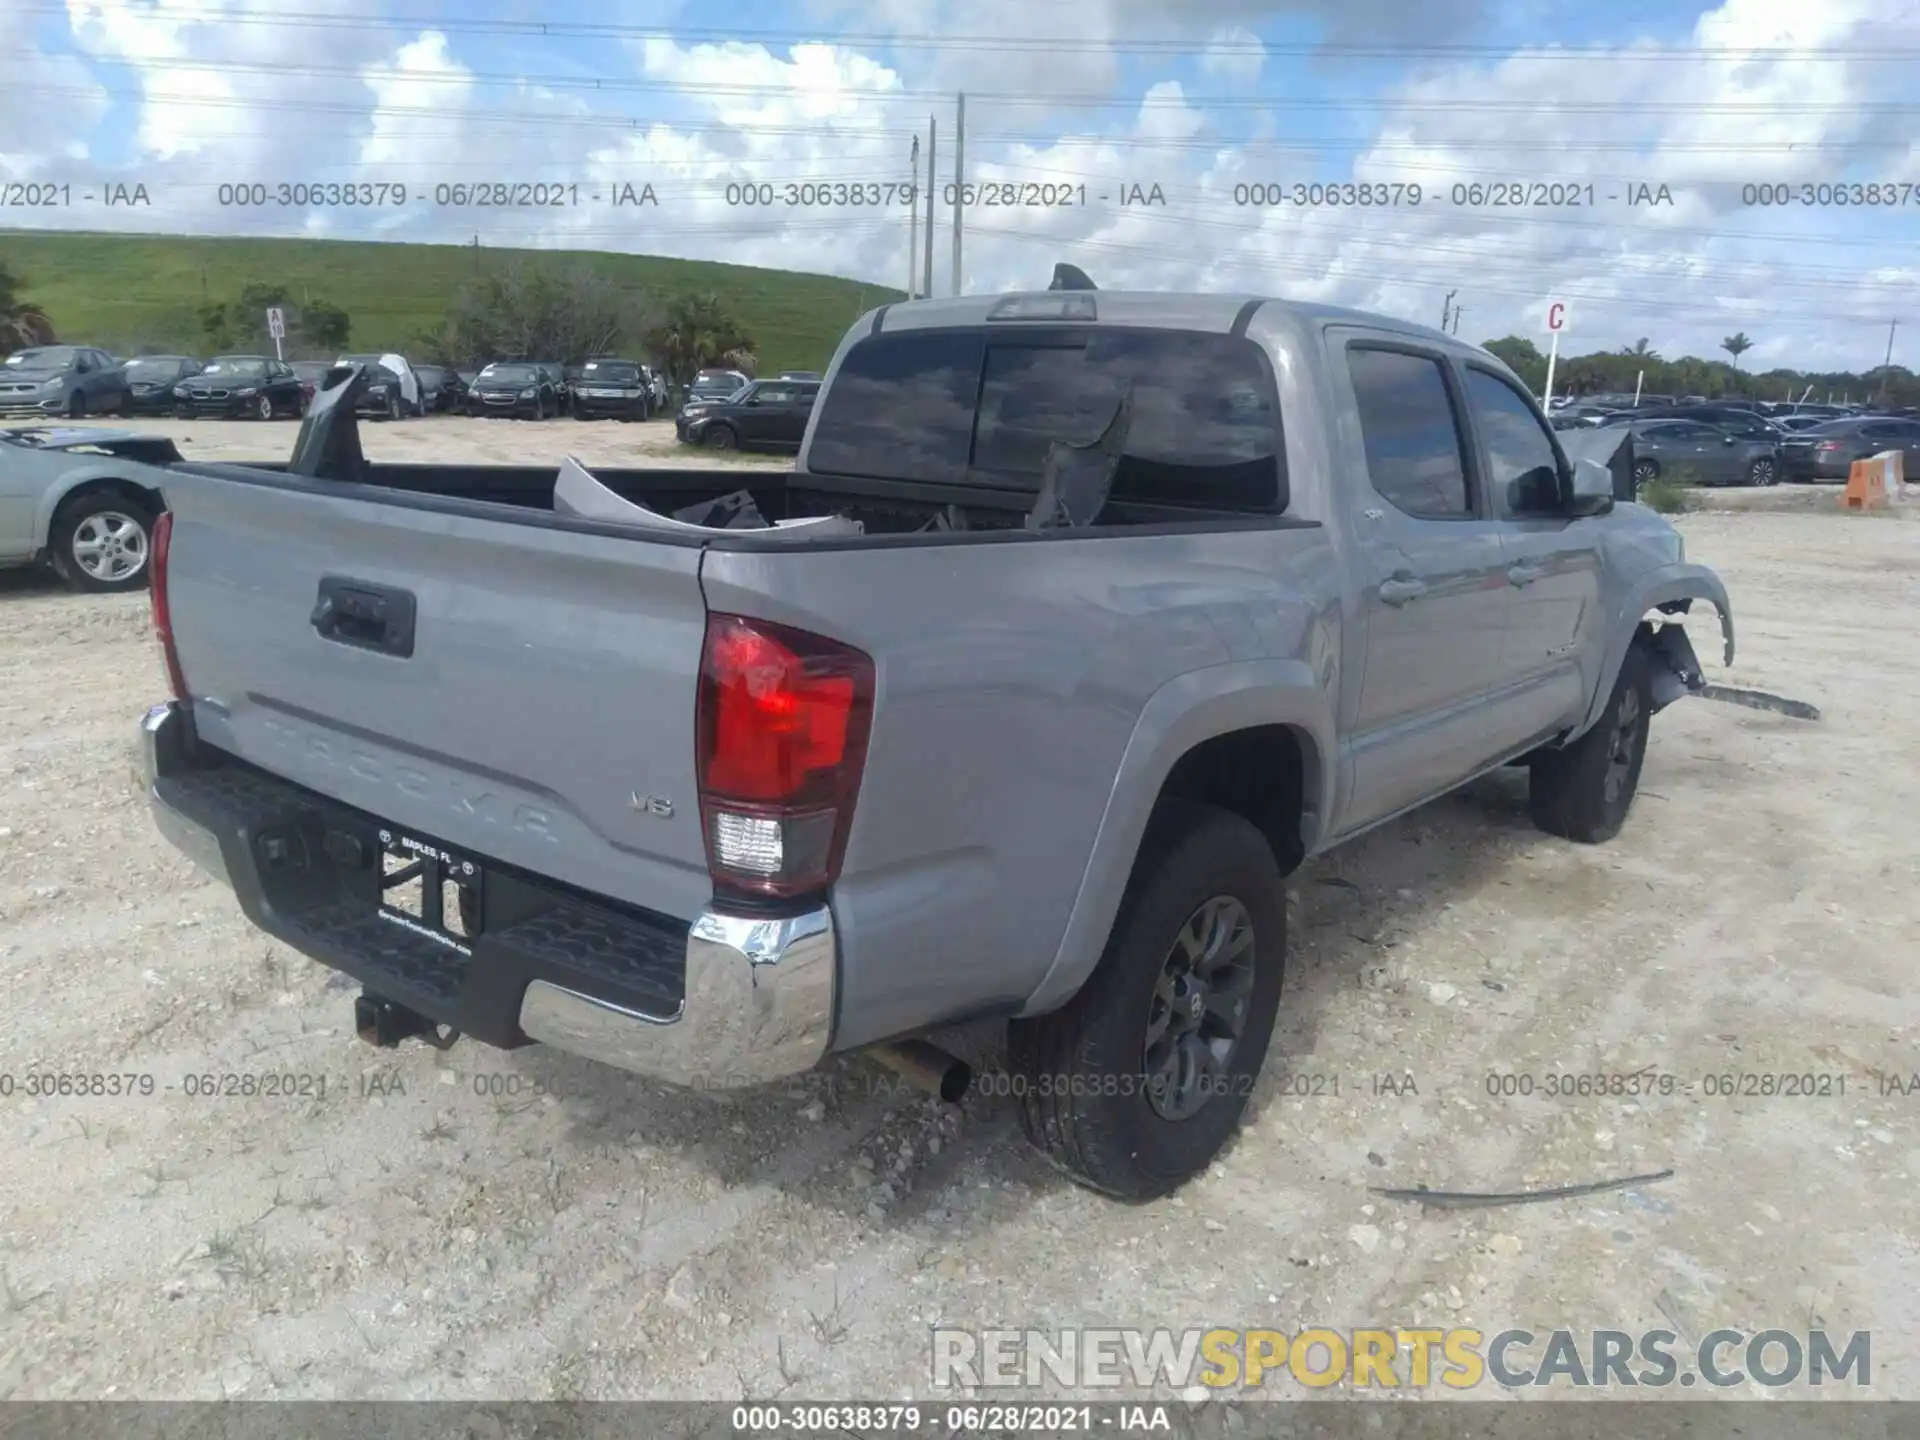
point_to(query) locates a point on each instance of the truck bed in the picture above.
(889, 511)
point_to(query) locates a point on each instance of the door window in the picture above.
(1523, 467)
(1415, 457)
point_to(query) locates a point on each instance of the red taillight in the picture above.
(1828, 445)
(160, 549)
(782, 733)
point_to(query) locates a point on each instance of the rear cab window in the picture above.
(983, 406)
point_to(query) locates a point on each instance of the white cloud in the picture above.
(236, 92)
(1235, 55)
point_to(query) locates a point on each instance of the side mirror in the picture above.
(753, 400)
(1592, 490)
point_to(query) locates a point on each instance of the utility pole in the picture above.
(1456, 321)
(933, 164)
(959, 180)
(913, 221)
(1886, 370)
(1445, 305)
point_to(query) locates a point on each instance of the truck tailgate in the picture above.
(544, 717)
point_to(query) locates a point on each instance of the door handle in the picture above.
(1525, 573)
(1401, 588)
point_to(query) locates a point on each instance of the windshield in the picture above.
(154, 369)
(236, 367)
(612, 371)
(510, 374)
(358, 360)
(47, 357)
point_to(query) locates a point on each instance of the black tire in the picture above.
(1763, 472)
(1645, 470)
(1085, 1073)
(263, 408)
(393, 405)
(76, 406)
(1583, 792)
(722, 437)
(96, 513)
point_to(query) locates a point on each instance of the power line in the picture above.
(685, 35)
(1264, 104)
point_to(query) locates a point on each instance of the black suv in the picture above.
(608, 386)
(767, 415)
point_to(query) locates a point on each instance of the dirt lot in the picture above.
(485, 1225)
(451, 438)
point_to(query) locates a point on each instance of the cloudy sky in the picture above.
(1207, 114)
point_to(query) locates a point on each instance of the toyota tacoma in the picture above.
(1125, 604)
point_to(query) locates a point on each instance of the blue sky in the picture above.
(192, 95)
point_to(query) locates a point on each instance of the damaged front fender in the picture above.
(1677, 673)
(1670, 591)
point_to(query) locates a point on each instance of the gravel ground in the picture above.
(484, 1225)
(452, 438)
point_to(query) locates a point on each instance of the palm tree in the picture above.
(699, 331)
(21, 323)
(1736, 345)
(1641, 349)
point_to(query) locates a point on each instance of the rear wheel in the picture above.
(1645, 471)
(1137, 1082)
(1583, 792)
(1762, 472)
(101, 541)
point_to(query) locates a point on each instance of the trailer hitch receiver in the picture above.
(385, 1023)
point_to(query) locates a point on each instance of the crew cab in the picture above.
(1115, 607)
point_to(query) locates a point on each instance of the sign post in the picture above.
(277, 327)
(1556, 322)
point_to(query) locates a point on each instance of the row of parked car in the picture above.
(73, 381)
(1748, 442)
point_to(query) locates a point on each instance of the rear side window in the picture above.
(965, 405)
(902, 408)
(1415, 457)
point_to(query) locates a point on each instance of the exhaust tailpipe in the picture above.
(927, 1066)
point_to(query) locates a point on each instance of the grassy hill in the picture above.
(132, 292)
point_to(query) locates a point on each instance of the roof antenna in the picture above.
(1070, 277)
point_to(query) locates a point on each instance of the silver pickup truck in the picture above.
(1144, 599)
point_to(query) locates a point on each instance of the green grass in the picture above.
(131, 292)
(1667, 492)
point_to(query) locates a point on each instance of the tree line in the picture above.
(519, 312)
(1615, 372)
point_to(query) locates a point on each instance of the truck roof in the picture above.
(1149, 308)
